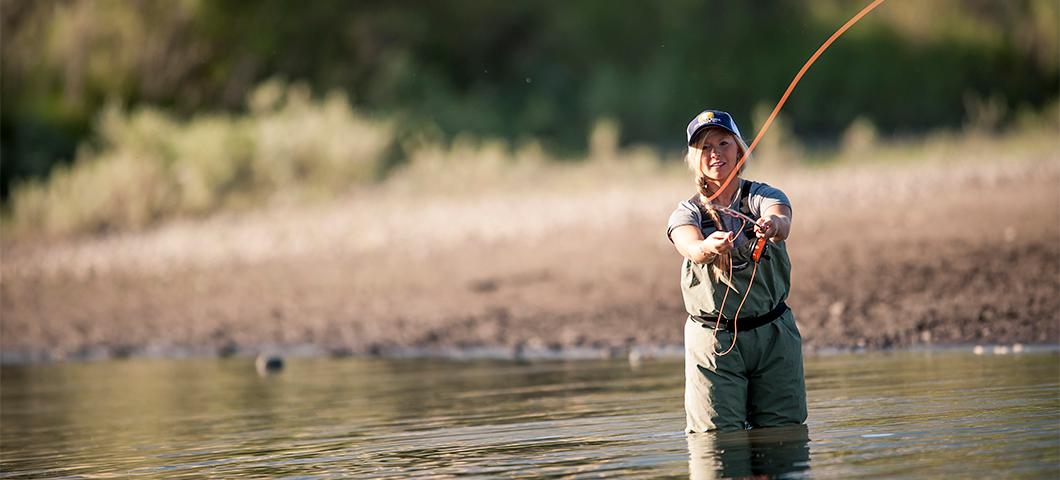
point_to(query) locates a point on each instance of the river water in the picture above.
(902, 414)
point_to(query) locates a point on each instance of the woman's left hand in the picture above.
(766, 227)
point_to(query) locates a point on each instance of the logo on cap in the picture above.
(707, 117)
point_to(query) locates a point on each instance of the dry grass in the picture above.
(483, 191)
(948, 245)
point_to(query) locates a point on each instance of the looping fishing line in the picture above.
(743, 159)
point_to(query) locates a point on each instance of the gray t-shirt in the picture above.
(703, 294)
(761, 197)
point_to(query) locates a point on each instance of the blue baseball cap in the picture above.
(711, 118)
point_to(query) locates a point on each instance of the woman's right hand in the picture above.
(717, 243)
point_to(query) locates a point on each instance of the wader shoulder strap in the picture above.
(745, 198)
(705, 221)
(745, 205)
(744, 208)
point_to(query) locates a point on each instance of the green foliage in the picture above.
(149, 165)
(538, 73)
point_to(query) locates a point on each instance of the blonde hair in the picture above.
(721, 261)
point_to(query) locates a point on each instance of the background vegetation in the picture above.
(119, 113)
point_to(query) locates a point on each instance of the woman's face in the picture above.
(716, 152)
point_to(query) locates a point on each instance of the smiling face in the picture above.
(714, 153)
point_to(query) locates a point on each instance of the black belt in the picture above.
(744, 324)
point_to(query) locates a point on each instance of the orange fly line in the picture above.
(791, 86)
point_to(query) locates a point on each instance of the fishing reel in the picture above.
(750, 252)
(756, 247)
(759, 249)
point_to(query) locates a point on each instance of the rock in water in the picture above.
(268, 364)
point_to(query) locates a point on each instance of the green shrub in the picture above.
(147, 165)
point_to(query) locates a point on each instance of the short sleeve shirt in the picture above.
(704, 294)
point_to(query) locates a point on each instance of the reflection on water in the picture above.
(898, 414)
(749, 453)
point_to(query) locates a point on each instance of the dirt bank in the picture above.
(883, 257)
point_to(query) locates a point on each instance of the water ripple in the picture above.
(905, 415)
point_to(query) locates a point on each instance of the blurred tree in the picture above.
(544, 70)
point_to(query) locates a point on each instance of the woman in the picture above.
(743, 352)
